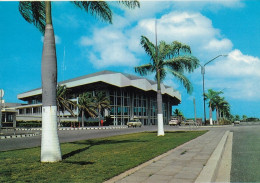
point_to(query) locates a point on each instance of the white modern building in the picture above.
(130, 96)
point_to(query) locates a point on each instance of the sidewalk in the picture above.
(186, 163)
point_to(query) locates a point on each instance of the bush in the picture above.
(29, 124)
(225, 122)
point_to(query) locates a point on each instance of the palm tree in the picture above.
(174, 58)
(178, 113)
(39, 14)
(101, 103)
(220, 104)
(244, 117)
(212, 96)
(86, 104)
(63, 103)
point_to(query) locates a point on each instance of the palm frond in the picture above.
(130, 4)
(34, 13)
(163, 50)
(177, 48)
(183, 79)
(144, 70)
(99, 9)
(149, 48)
(86, 103)
(181, 63)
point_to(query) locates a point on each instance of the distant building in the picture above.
(9, 114)
(130, 96)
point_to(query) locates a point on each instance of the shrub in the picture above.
(28, 124)
(225, 122)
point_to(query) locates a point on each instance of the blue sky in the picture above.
(86, 45)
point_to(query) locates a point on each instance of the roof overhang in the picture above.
(112, 78)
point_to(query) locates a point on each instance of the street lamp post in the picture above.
(203, 82)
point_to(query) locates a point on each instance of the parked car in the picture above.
(134, 123)
(174, 121)
(236, 122)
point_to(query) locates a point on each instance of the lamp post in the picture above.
(203, 73)
(1, 97)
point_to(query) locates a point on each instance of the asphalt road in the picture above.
(75, 135)
(71, 136)
(246, 154)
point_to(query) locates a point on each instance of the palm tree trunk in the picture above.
(82, 118)
(159, 107)
(210, 114)
(217, 114)
(50, 146)
(99, 117)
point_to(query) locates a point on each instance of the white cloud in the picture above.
(109, 48)
(238, 73)
(219, 45)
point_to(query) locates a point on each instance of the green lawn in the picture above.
(93, 160)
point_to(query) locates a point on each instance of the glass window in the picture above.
(118, 100)
(112, 100)
(126, 110)
(112, 112)
(126, 102)
(118, 110)
(135, 111)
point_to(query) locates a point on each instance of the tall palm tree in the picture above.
(86, 104)
(212, 96)
(219, 103)
(101, 103)
(63, 103)
(39, 14)
(174, 58)
(179, 114)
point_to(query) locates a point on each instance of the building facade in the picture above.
(130, 97)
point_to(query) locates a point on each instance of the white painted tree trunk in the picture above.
(210, 114)
(160, 131)
(50, 146)
(160, 125)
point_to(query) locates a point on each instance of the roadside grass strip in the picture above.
(94, 160)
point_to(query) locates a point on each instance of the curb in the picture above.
(224, 170)
(18, 136)
(80, 128)
(60, 129)
(208, 173)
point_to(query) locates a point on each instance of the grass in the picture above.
(93, 160)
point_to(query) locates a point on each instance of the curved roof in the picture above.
(113, 78)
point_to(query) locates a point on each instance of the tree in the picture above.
(174, 58)
(244, 118)
(63, 103)
(237, 117)
(179, 114)
(221, 105)
(101, 102)
(212, 97)
(39, 14)
(86, 104)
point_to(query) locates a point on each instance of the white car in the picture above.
(174, 121)
(236, 122)
(134, 123)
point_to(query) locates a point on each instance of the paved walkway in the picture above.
(181, 165)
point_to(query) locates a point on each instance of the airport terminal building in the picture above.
(130, 97)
